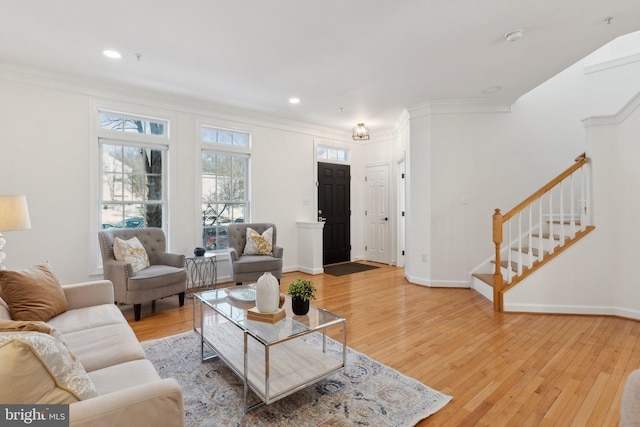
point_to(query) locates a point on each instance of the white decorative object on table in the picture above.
(267, 293)
(244, 293)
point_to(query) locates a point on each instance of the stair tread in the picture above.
(485, 277)
(546, 236)
(566, 221)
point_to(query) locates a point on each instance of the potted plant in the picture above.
(301, 291)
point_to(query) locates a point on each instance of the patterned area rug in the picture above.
(366, 393)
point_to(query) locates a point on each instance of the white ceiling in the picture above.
(373, 58)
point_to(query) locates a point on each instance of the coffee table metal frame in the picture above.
(273, 360)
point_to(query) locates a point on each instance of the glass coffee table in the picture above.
(273, 360)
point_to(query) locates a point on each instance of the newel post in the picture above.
(497, 275)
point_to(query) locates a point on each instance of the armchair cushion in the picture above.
(33, 293)
(156, 276)
(132, 252)
(253, 263)
(259, 244)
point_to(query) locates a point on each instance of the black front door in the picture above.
(334, 208)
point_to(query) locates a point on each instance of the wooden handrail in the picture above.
(580, 161)
(499, 220)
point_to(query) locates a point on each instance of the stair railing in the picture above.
(556, 203)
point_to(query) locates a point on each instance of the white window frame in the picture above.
(227, 150)
(96, 133)
(165, 154)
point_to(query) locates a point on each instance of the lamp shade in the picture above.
(14, 213)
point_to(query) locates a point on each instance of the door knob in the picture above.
(321, 219)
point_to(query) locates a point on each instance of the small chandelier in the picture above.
(360, 132)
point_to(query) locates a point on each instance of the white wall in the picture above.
(497, 159)
(47, 146)
(598, 275)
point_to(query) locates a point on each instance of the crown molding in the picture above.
(616, 118)
(461, 106)
(612, 63)
(157, 99)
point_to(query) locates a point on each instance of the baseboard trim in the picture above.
(573, 309)
(438, 283)
(308, 270)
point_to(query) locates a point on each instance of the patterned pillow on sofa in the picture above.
(37, 368)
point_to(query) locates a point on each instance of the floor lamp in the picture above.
(14, 215)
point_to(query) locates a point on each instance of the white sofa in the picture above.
(129, 389)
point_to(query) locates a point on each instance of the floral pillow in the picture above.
(259, 244)
(131, 251)
(39, 369)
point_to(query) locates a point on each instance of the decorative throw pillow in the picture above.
(33, 293)
(29, 326)
(39, 369)
(258, 244)
(131, 251)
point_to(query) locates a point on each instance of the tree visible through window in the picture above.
(132, 178)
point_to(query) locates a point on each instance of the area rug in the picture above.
(366, 393)
(347, 268)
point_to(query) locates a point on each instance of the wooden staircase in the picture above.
(555, 218)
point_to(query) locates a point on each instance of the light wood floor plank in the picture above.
(502, 369)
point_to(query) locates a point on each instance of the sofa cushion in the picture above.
(33, 293)
(123, 375)
(104, 346)
(259, 244)
(131, 251)
(39, 369)
(87, 317)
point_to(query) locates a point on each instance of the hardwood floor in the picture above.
(502, 369)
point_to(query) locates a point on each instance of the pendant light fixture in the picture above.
(360, 132)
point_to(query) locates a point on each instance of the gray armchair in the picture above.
(246, 268)
(165, 276)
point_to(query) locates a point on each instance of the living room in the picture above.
(50, 144)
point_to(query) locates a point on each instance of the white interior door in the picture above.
(377, 214)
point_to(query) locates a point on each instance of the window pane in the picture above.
(141, 125)
(240, 139)
(131, 178)
(222, 137)
(225, 138)
(223, 196)
(209, 135)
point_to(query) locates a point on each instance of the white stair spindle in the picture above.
(552, 243)
(530, 237)
(509, 254)
(540, 237)
(520, 243)
(583, 201)
(572, 221)
(561, 213)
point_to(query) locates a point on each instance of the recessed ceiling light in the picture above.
(492, 89)
(514, 36)
(294, 100)
(113, 54)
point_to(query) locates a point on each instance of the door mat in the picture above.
(347, 268)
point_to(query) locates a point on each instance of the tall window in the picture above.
(225, 195)
(133, 173)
